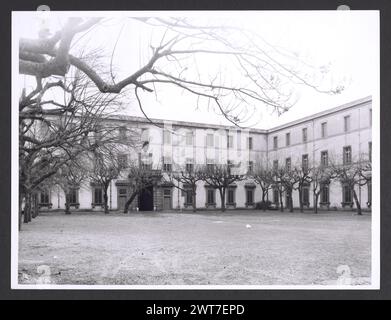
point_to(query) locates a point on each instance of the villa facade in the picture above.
(344, 132)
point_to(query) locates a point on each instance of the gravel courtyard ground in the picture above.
(209, 248)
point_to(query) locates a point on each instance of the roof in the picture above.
(345, 106)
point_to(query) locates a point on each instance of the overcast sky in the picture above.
(347, 41)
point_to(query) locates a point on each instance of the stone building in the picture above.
(343, 133)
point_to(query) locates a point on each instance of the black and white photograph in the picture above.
(195, 149)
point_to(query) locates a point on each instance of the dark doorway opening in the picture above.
(145, 199)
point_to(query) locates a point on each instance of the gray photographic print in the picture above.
(195, 149)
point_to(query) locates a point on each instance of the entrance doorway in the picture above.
(122, 197)
(167, 199)
(145, 199)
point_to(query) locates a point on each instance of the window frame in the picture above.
(287, 139)
(231, 191)
(288, 163)
(210, 142)
(346, 123)
(210, 191)
(305, 135)
(347, 155)
(305, 164)
(275, 142)
(250, 143)
(167, 137)
(323, 132)
(322, 162)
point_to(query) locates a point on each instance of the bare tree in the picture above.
(53, 133)
(141, 178)
(290, 179)
(264, 177)
(285, 180)
(69, 177)
(350, 174)
(186, 179)
(260, 74)
(320, 175)
(105, 168)
(302, 176)
(220, 177)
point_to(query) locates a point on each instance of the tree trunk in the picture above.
(263, 200)
(359, 212)
(67, 206)
(281, 203)
(222, 196)
(130, 200)
(20, 210)
(316, 199)
(290, 201)
(194, 201)
(301, 200)
(105, 199)
(27, 207)
(36, 208)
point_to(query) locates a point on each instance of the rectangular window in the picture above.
(230, 142)
(231, 196)
(324, 193)
(122, 132)
(238, 139)
(189, 165)
(146, 162)
(288, 164)
(210, 164)
(230, 165)
(167, 164)
(347, 155)
(72, 196)
(122, 160)
(250, 196)
(209, 140)
(346, 123)
(287, 139)
(304, 134)
(250, 166)
(324, 158)
(189, 197)
(211, 196)
(122, 191)
(166, 137)
(275, 165)
(144, 134)
(324, 130)
(304, 162)
(250, 143)
(275, 143)
(45, 196)
(98, 196)
(347, 194)
(276, 196)
(189, 138)
(306, 196)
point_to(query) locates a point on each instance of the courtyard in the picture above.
(205, 248)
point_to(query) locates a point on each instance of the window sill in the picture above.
(75, 205)
(47, 205)
(93, 205)
(347, 204)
